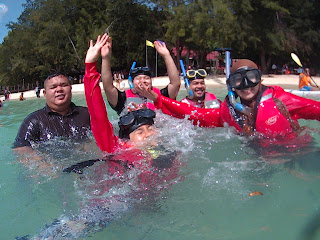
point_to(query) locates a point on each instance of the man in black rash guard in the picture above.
(59, 118)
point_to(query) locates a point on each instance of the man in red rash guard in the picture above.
(272, 111)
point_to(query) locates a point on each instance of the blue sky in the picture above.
(10, 10)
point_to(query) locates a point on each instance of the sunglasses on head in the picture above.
(193, 73)
(244, 78)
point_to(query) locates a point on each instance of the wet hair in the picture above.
(54, 75)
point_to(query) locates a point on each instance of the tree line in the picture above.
(53, 35)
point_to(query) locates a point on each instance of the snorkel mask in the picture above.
(244, 78)
(132, 120)
(196, 74)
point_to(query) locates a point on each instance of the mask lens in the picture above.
(126, 119)
(191, 73)
(236, 80)
(146, 113)
(202, 72)
(253, 76)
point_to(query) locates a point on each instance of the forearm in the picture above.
(101, 127)
(198, 116)
(299, 107)
(107, 80)
(173, 73)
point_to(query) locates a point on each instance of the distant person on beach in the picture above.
(119, 100)
(37, 89)
(6, 94)
(200, 98)
(21, 98)
(59, 118)
(265, 110)
(305, 83)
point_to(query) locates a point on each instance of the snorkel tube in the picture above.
(130, 77)
(186, 80)
(231, 95)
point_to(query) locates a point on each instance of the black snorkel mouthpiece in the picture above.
(132, 120)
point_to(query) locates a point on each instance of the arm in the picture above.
(299, 107)
(173, 73)
(106, 75)
(101, 127)
(202, 117)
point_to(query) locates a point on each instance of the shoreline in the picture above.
(285, 81)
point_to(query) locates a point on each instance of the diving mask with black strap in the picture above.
(241, 79)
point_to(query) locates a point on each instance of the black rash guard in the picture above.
(44, 124)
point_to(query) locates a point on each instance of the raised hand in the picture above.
(161, 48)
(147, 92)
(107, 49)
(94, 50)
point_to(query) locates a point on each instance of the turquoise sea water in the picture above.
(209, 200)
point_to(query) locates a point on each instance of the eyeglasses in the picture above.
(193, 73)
(137, 115)
(244, 78)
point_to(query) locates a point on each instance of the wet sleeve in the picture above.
(27, 133)
(203, 117)
(299, 107)
(100, 125)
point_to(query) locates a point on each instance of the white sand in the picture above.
(285, 81)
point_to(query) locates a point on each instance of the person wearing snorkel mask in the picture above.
(200, 97)
(135, 126)
(125, 165)
(119, 100)
(269, 111)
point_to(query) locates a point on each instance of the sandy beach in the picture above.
(285, 81)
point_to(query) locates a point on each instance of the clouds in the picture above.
(3, 10)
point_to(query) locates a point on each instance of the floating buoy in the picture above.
(255, 193)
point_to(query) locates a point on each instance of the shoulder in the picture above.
(36, 115)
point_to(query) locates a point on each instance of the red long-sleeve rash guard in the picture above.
(203, 117)
(100, 125)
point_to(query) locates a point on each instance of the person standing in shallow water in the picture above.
(119, 100)
(60, 118)
(266, 110)
(200, 98)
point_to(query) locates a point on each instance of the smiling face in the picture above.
(142, 134)
(198, 88)
(58, 94)
(248, 94)
(138, 80)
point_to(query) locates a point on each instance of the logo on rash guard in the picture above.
(272, 120)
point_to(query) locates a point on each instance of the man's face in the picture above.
(142, 79)
(58, 93)
(198, 88)
(142, 134)
(307, 71)
(248, 94)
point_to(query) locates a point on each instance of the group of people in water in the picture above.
(251, 108)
